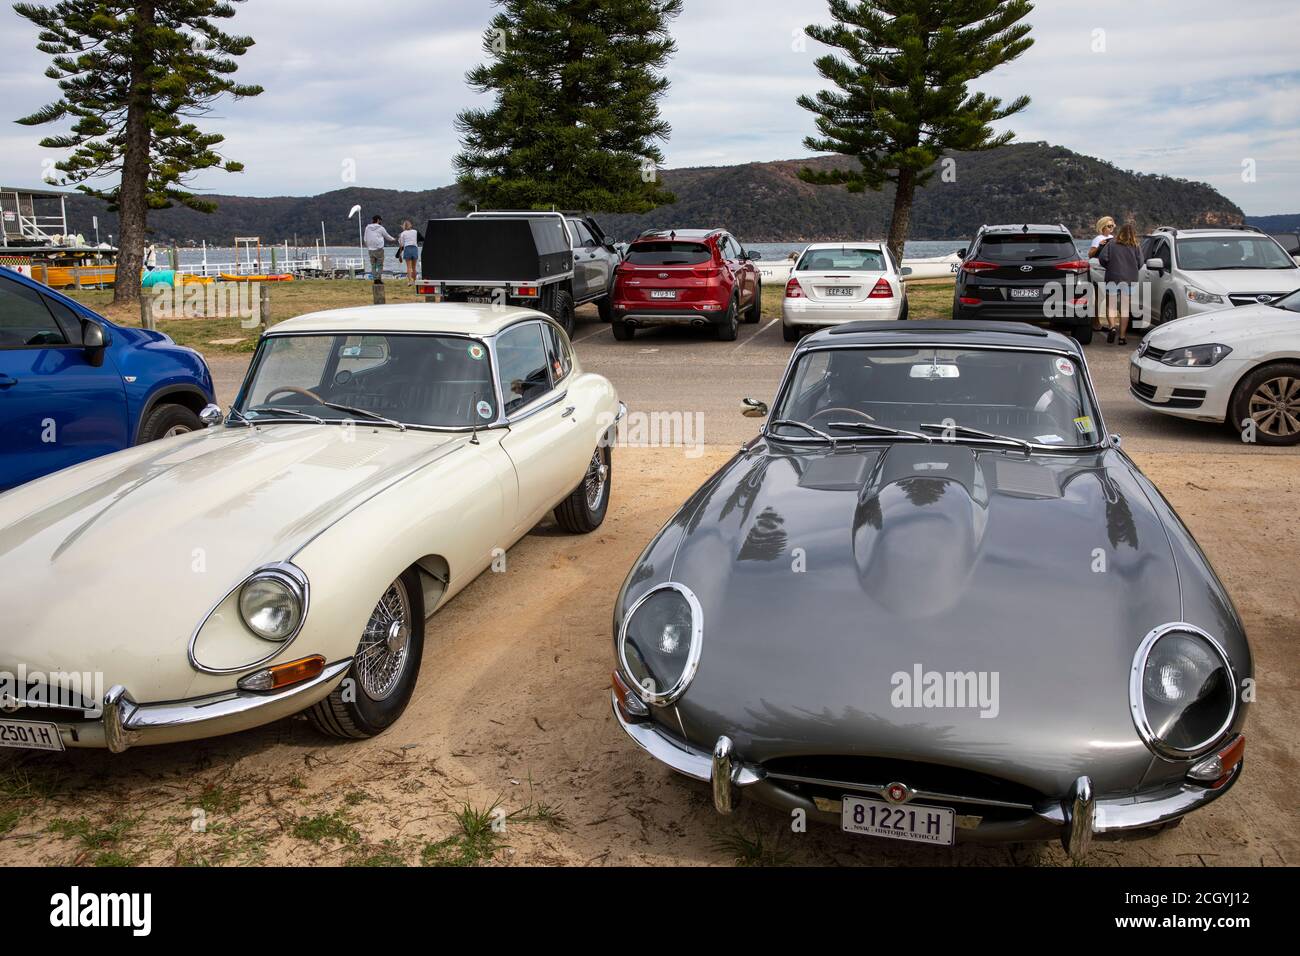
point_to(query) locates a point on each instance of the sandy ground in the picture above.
(512, 708)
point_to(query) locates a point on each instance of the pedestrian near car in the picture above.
(408, 248)
(376, 238)
(1105, 232)
(1121, 258)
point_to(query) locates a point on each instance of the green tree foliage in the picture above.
(133, 76)
(901, 70)
(575, 123)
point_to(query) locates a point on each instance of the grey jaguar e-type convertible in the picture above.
(934, 601)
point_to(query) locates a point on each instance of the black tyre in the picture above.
(622, 331)
(756, 307)
(1269, 397)
(907, 310)
(584, 510)
(1082, 334)
(1168, 309)
(168, 421)
(605, 307)
(558, 304)
(383, 672)
(790, 333)
(729, 328)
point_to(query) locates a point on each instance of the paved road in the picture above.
(687, 370)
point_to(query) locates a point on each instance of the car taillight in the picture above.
(978, 265)
(882, 290)
(422, 288)
(793, 290)
(705, 272)
(1078, 266)
(969, 300)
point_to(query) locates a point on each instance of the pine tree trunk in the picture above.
(133, 207)
(902, 214)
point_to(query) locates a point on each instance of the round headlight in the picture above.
(1182, 692)
(271, 604)
(659, 646)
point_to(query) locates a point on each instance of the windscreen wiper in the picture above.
(288, 411)
(375, 416)
(881, 430)
(976, 433)
(804, 425)
(242, 417)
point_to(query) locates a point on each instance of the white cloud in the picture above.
(1187, 89)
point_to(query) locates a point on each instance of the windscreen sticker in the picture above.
(1049, 439)
(476, 352)
(1065, 366)
(484, 410)
(1084, 424)
(350, 351)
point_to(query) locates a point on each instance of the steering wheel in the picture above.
(829, 411)
(292, 388)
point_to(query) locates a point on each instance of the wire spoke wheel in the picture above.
(385, 644)
(594, 481)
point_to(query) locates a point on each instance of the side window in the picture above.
(559, 354)
(67, 319)
(1161, 251)
(522, 366)
(581, 234)
(25, 321)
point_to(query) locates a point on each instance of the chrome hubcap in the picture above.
(176, 430)
(1275, 407)
(385, 643)
(594, 482)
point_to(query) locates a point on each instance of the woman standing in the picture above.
(408, 248)
(1105, 232)
(1121, 258)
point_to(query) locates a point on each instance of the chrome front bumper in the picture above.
(127, 724)
(1074, 819)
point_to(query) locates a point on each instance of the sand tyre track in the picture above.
(382, 676)
(584, 510)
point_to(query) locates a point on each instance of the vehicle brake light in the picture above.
(978, 265)
(1075, 265)
(426, 289)
(882, 290)
(705, 272)
(526, 291)
(969, 300)
(793, 290)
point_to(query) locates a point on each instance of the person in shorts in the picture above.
(408, 249)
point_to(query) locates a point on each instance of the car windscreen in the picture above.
(668, 254)
(1232, 252)
(1029, 396)
(1290, 302)
(841, 260)
(1027, 246)
(438, 381)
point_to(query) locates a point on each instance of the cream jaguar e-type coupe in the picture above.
(285, 559)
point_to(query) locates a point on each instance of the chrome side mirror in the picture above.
(1116, 440)
(754, 408)
(211, 416)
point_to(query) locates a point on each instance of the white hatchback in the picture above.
(837, 282)
(1239, 366)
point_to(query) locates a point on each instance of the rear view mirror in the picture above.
(1156, 265)
(934, 371)
(211, 416)
(94, 342)
(751, 254)
(754, 408)
(961, 253)
(905, 271)
(372, 352)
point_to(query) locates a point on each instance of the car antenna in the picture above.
(473, 421)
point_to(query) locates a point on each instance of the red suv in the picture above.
(686, 277)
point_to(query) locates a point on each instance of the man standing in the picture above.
(376, 237)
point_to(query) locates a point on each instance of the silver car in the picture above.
(935, 602)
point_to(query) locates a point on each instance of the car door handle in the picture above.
(568, 411)
(7, 381)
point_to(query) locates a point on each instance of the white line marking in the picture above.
(756, 334)
(603, 328)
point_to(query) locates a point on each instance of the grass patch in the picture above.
(9, 819)
(20, 783)
(326, 826)
(216, 799)
(755, 850)
(388, 853)
(476, 843)
(354, 797)
(102, 840)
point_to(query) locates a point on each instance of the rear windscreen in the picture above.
(846, 260)
(668, 254)
(1027, 246)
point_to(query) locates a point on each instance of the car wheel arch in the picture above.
(1235, 393)
(435, 579)
(189, 396)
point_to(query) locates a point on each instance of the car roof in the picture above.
(876, 243)
(1013, 334)
(660, 234)
(1026, 227)
(463, 318)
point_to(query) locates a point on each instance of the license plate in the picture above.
(917, 824)
(29, 735)
(479, 299)
(663, 293)
(1026, 293)
(841, 290)
(1135, 373)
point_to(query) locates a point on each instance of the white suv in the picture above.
(1201, 270)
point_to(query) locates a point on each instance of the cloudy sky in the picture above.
(1189, 88)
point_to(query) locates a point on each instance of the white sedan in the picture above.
(376, 461)
(1239, 366)
(836, 282)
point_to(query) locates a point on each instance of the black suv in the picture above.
(1025, 273)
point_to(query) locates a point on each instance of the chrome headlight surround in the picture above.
(664, 698)
(1137, 693)
(293, 583)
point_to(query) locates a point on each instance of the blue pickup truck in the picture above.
(74, 386)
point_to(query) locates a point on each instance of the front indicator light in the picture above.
(283, 675)
(631, 706)
(1217, 770)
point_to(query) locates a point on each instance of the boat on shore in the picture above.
(777, 271)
